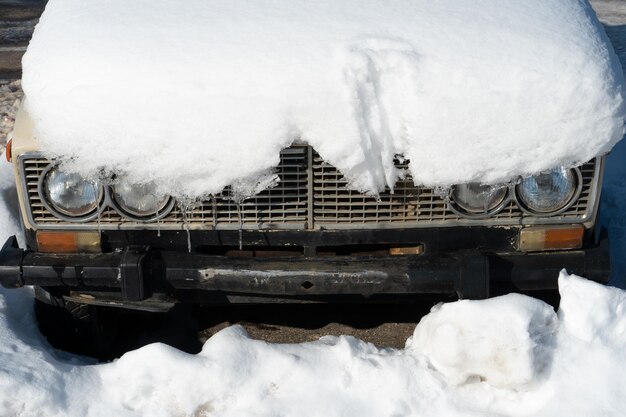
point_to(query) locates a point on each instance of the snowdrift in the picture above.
(202, 95)
(534, 365)
(506, 341)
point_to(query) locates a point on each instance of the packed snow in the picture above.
(518, 339)
(211, 91)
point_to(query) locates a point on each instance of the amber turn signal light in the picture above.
(7, 151)
(401, 251)
(68, 242)
(533, 239)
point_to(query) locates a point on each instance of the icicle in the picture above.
(99, 218)
(239, 216)
(441, 192)
(188, 238)
(184, 206)
(214, 202)
(158, 219)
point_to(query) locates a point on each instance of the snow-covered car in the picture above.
(470, 161)
(309, 237)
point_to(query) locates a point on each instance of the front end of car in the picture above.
(105, 241)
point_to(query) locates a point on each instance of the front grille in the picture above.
(336, 204)
(311, 194)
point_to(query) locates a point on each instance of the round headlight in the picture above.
(549, 191)
(70, 194)
(139, 200)
(477, 198)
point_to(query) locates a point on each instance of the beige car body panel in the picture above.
(23, 140)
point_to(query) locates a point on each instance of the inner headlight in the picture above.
(549, 191)
(70, 194)
(478, 198)
(139, 200)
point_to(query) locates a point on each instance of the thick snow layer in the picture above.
(209, 92)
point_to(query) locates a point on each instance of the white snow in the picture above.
(506, 341)
(210, 91)
(593, 313)
(234, 375)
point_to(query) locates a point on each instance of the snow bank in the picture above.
(593, 313)
(234, 375)
(206, 94)
(506, 341)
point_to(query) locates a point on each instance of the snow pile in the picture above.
(211, 91)
(593, 313)
(234, 375)
(506, 341)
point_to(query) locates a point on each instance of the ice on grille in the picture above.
(204, 94)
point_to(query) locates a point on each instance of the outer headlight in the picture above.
(477, 198)
(140, 200)
(549, 191)
(70, 194)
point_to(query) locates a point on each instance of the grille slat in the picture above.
(311, 194)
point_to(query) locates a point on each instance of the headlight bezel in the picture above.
(512, 196)
(105, 200)
(130, 214)
(458, 208)
(100, 204)
(573, 198)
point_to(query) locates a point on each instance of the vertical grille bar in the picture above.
(310, 182)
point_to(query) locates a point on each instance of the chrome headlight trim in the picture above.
(131, 214)
(573, 198)
(458, 208)
(62, 214)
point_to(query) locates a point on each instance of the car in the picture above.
(102, 242)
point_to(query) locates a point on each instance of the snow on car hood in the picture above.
(200, 94)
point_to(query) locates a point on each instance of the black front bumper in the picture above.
(137, 274)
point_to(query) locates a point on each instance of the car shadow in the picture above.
(187, 327)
